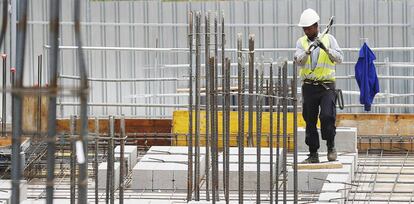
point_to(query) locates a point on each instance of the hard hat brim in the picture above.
(305, 25)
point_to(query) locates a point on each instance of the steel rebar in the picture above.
(223, 85)
(251, 87)
(270, 92)
(207, 117)
(278, 100)
(110, 162)
(285, 110)
(73, 134)
(197, 110)
(82, 142)
(295, 134)
(240, 140)
(227, 131)
(4, 21)
(53, 60)
(39, 98)
(259, 84)
(3, 110)
(96, 164)
(17, 102)
(214, 153)
(190, 110)
(215, 101)
(122, 168)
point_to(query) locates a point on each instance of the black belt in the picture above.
(316, 83)
(338, 92)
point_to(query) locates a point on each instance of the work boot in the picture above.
(332, 154)
(312, 158)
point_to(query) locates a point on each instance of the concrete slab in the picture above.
(345, 140)
(172, 150)
(250, 174)
(331, 198)
(128, 162)
(313, 179)
(338, 178)
(252, 151)
(102, 171)
(345, 158)
(337, 183)
(163, 173)
(129, 149)
(6, 190)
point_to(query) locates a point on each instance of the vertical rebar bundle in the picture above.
(277, 92)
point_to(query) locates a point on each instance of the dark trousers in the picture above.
(317, 98)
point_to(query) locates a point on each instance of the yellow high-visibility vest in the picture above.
(325, 68)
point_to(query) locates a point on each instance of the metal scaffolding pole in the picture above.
(190, 110)
(17, 102)
(240, 140)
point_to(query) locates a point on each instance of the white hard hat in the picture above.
(308, 18)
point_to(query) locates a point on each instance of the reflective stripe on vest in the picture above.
(325, 68)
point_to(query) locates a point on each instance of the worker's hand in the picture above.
(320, 44)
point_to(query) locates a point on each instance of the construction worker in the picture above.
(317, 71)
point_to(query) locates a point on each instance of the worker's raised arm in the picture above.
(334, 52)
(300, 55)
